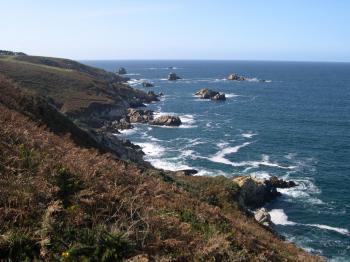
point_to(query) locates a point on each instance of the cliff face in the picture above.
(70, 192)
(61, 91)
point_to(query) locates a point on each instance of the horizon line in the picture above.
(201, 59)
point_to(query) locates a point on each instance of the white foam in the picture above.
(127, 132)
(342, 231)
(304, 191)
(231, 95)
(260, 175)
(219, 157)
(265, 161)
(133, 82)
(278, 217)
(168, 165)
(151, 149)
(249, 134)
(187, 153)
(254, 79)
(188, 119)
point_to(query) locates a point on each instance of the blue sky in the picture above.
(304, 30)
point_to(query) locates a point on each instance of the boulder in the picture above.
(147, 84)
(255, 192)
(206, 93)
(166, 120)
(263, 217)
(219, 97)
(173, 77)
(122, 71)
(280, 183)
(140, 115)
(186, 172)
(152, 96)
(117, 125)
(235, 77)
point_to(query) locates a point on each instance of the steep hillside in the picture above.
(71, 191)
(89, 97)
(76, 89)
(61, 201)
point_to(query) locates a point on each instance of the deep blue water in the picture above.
(295, 126)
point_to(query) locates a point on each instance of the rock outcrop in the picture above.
(255, 192)
(115, 126)
(186, 172)
(147, 84)
(280, 183)
(235, 77)
(122, 71)
(140, 115)
(173, 77)
(206, 93)
(263, 217)
(6, 52)
(166, 120)
(219, 97)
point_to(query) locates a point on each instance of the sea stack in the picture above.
(122, 71)
(173, 77)
(147, 84)
(235, 77)
(206, 93)
(166, 120)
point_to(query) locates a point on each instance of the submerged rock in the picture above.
(167, 120)
(235, 77)
(206, 93)
(173, 77)
(147, 84)
(122, 71)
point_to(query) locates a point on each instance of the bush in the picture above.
(18, 246)
(68, 185)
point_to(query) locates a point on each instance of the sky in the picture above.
(289, 30)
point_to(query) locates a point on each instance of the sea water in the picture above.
(294, 125)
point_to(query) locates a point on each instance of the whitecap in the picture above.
(219, 157)
(278, 217)
(342, 231)
(168, 165)
(253, 79)
(151, 149)
(260, 175)
(249, 134)
(127, 132)
(231, 95)
(188, 119)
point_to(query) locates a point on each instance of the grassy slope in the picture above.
(59, 200)
(73, 86)
(62, 201)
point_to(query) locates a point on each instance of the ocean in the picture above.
(295, 125)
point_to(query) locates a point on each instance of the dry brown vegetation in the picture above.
(60, 201)
(74, 87)
(63, 198)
